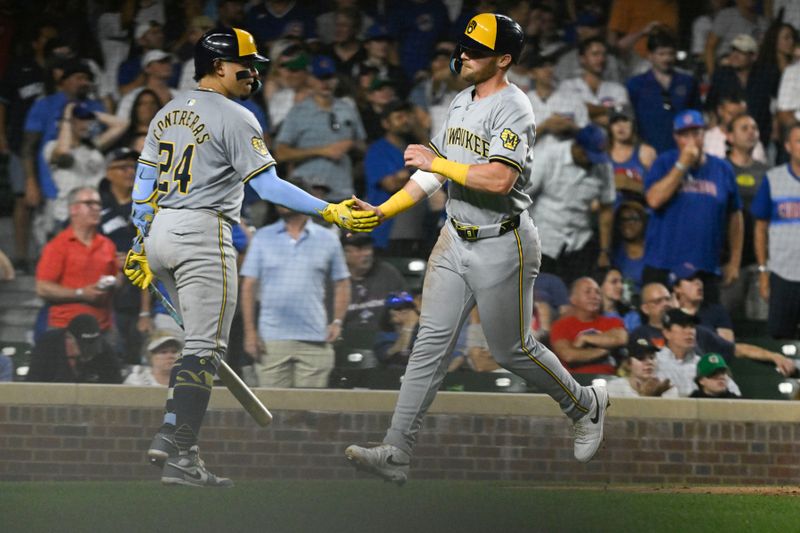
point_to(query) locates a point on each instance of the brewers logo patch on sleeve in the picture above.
(510, 139)
(258, 145)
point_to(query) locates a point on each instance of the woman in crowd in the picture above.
(627, 254)
(638, 371)
(630, 158)
(162, 353)
(774, 55)
(144, 108)
(615, 301)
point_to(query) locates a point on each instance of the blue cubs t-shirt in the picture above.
(691, 226)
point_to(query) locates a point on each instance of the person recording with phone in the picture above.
(74, 159)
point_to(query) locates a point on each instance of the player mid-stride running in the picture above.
(200, 150)
(488, 254)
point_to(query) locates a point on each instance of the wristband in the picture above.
(78, 293)
(680, 166)
(144, 314)
(337, 322)
(450, 170)
(763, 268)
(399, 202)
(427, 181)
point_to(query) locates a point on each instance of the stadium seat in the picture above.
(20, 353)
(355, 349)
(588, 379)
(412, 269)
(759, 381)
(467, 381)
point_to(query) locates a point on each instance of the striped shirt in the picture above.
(563, 193)
(778, 201)
(293, 276)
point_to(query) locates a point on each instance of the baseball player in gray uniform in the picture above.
(488, 254)
(200, 150)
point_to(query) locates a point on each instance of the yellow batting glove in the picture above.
(137, 269)
(344, 216)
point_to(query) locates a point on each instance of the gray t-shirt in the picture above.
(205, 148)
(307, 125)
(500, 127)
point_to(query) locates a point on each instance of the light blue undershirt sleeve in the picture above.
(272, 188)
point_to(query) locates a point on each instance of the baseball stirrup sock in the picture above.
(169, 408)
(193, 383)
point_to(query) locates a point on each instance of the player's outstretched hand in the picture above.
(347, 217)
(137, 269)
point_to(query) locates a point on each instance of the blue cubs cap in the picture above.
(594, 141)
(683, 271)
(322, 67)
(691, 118)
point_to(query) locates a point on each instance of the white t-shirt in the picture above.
(714, 144)
(609, 93)
(187, 76)
(621, 388)
(789, 90)
(87, 170)
(559, 103)
(115, 46)
(142, 376)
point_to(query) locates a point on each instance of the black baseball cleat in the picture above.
(188, 469)
(161, 447)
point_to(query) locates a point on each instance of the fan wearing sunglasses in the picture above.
(320, 133)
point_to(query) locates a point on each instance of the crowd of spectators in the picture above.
(664, 180)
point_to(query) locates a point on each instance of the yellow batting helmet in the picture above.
(492, 34)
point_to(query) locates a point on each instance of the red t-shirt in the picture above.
(70, 263)
(569, 328)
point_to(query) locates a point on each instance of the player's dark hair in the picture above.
(586, 43)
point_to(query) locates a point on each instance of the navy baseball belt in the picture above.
(470, 232)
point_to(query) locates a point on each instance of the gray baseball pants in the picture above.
(191, 252)
(497, 275)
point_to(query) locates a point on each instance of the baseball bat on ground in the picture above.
(240, 391)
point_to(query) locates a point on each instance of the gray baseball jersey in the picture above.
(500, 128)
(205, 147)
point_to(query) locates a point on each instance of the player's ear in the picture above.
(219, 68)
(504, 61)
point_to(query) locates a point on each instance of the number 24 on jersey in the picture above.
(181, 173)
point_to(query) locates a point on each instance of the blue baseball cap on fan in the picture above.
(691, 118)
(594, 141)
(323, 67)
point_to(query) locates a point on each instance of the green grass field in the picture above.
(373, 506)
